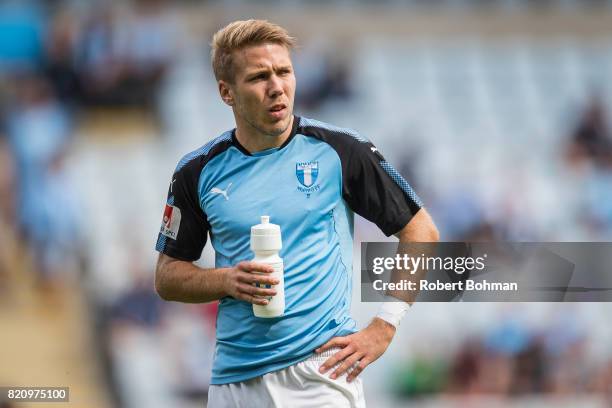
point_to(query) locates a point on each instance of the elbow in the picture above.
(428, 234)
(420, 229)
(426, 227)
(160, 287)
(434, 234)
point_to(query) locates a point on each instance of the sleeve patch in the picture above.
(171, 222)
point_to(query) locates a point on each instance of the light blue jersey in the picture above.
(310, 186)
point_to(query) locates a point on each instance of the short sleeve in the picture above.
(184, 226)
(375, 190)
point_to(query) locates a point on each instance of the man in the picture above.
(309, 177)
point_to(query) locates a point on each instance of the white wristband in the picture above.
(393, 312)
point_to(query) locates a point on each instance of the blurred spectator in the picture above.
(465, 368)
(421, 377)
(7, 184)
(512, 360)
(6, 213)
(324, 75)
(602, 381)
(142, 338)
(134, 342)
(529, 373)
(192, 332)
(598, 200)
(123, 58)
(39, 131)
(59, 61)
(590, 150)
(96, 65)
(460, 214)
(565, 345)
(508, 339)
(591, 140)
(139, 306)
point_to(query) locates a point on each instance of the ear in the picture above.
(226, 92)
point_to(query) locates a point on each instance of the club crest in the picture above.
(307, 172)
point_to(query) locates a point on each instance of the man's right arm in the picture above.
(182, 281)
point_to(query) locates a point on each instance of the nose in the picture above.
(275, 86)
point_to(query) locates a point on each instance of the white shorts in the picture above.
(299, 385)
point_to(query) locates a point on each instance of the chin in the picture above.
(279, 127)
(275, 131)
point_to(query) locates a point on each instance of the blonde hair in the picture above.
(241, 34)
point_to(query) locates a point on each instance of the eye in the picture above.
(257, 77)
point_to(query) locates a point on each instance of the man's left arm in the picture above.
(360, 349)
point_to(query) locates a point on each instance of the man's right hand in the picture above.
(239, 282)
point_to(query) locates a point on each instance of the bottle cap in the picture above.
(266, 236)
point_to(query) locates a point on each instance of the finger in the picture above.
(256, 290)
(346, 364)
(357, 370)
(253, 299)
(336, 358)
(334, 342)
(257, 278)
(250, 266)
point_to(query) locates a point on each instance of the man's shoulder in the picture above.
(328, 132)
(201, 155)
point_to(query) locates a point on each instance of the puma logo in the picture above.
(217, 190)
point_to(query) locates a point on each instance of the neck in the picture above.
(255, 141)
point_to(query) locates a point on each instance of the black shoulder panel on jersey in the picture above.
(370, 185)
(185, 226)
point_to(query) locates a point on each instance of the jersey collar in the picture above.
(294, 127)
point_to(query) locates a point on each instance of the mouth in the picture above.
(277, 111)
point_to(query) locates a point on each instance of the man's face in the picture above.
(263, 89)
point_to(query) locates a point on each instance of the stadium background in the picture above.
(495, 111)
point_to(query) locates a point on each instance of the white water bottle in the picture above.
(265, 243)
